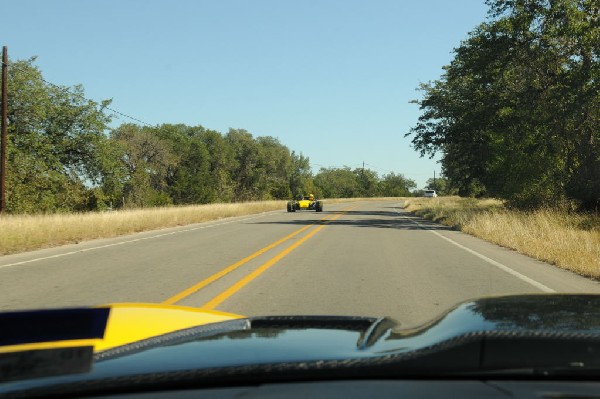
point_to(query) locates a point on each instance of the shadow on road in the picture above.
(372, 219)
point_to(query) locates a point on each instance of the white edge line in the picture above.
(134, 240)
(499, 265)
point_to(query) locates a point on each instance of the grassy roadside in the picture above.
(570, 241)
(22, 233)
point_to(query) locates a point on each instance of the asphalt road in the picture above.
(361, 258)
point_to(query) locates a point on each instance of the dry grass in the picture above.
(570, 241)
(22, 233)
(27, 232)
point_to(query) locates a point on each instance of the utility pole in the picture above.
(4, 107)
(434, 186)
(362, 178)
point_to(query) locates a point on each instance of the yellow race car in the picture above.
(305, 202)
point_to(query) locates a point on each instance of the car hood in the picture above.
(525, 332)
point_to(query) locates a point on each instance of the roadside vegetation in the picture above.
(516, 113)
(570, 240)
(516, 116)
(28, 232)
(64, 156)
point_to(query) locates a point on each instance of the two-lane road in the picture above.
(361, 258)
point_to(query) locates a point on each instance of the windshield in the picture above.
(157, 152)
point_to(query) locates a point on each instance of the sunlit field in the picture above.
(27, 232)
(568, 240)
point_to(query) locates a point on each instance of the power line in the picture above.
(68, 90)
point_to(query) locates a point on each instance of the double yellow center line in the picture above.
(261, 269)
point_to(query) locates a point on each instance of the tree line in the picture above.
(516, 114)
(63, 157)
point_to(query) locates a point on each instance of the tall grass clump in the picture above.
(27, 232)
(566, 239)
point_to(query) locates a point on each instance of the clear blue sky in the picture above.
(331, 79)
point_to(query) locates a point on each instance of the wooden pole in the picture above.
(3, 133)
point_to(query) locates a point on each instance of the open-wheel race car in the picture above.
(308, 202)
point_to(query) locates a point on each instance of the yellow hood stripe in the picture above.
(131, 322)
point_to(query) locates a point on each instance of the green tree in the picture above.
(275, 167)
(221, 165)
(367, 181)
(442, 186)
(56, 144)
(516, 112)
(188, 179)
(245, 172)
(337, 183)
(300, 176)
(396, 185)
(147, 159)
